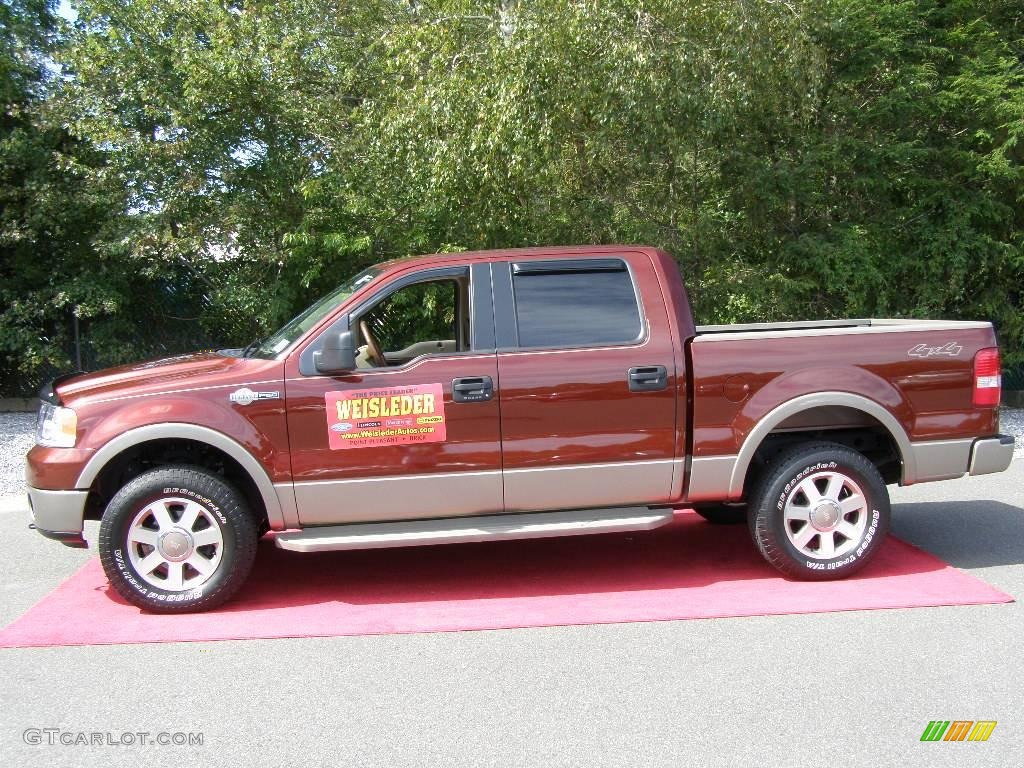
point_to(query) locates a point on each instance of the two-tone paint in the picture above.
(562, 430)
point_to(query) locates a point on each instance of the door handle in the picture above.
(648, 378)
(472, 389)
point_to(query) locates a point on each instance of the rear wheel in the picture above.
(820, 511)
(177, 539)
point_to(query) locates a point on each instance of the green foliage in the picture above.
(226, 162)
(67, 248)
(421, 312)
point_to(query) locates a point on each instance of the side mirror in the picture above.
(337, 355)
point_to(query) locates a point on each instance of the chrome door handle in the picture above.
(472, 389)
(648, 378)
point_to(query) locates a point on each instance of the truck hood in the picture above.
(201, 369)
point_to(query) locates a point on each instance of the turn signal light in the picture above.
(987, 381)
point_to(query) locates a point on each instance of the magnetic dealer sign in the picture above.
(368, 418)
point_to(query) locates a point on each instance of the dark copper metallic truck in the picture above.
(509, 394)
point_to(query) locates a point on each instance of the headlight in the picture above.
(57, 426)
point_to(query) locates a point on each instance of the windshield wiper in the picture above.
(252, 347)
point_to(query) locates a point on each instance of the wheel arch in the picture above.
(803, 404)
(132, 440)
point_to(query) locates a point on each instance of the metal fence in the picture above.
(1013, 378)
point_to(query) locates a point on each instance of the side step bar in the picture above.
(453, 530)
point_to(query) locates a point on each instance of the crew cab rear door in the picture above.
(587, 382)
(417, 436)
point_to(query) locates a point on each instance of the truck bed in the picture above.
(853, 379)
(831, 326)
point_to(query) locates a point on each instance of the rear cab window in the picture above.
(575, 303)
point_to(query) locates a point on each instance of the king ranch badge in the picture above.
(368, 418)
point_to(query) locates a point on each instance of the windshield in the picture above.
(302, 322)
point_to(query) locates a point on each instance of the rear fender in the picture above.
(801, 391)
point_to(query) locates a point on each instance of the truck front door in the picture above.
(413, 431)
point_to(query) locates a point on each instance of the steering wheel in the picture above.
(372, 345)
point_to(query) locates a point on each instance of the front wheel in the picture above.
(821, 511)
(177, 539)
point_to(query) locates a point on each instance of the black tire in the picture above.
(780, 485)
(219, 505)
(723, 514)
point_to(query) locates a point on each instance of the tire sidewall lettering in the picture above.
(227, 511)
(821, 466)
(869, 535)
(204, 500)
(127, 572)
(865, 546)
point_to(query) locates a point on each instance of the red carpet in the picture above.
(686, 570)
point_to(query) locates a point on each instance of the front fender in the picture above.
(276, 512)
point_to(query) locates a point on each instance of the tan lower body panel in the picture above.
(941, 459)
(459, 494)
(405, 497)
(588, 485)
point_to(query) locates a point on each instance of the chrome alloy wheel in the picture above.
(175, 544)
(826, 516)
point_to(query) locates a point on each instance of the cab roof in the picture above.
(509, 253)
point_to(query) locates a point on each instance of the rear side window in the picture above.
(590, 302)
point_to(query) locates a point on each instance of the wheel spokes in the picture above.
(810, 491)
(852, 503)
(162, 515)
(206, 536)
(174, 575)
(834, 487)
(794, 512)
(824, 515)
(849, 530)
(160, 556)
(189, 516)
(150, 562)
(201, 564)
(827, 544)
(141, 535)
(803, 537)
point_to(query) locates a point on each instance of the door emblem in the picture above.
(245, 396)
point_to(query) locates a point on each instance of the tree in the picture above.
(46, 215)
(214, 165)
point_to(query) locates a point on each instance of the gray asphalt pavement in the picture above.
(846, 689)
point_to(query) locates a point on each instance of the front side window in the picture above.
(419, 319)
(575, 304)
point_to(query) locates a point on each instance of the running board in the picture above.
(454, 530)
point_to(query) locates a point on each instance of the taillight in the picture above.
(987, 382)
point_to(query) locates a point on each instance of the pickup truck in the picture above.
(509, 394)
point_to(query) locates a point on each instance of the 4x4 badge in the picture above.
(244, 396)
(923, 350)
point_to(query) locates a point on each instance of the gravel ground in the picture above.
(17, 433)
(1011, 422)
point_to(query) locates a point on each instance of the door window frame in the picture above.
(481, 316)
(506, 320)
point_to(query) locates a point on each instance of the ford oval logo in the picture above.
(343, 426)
